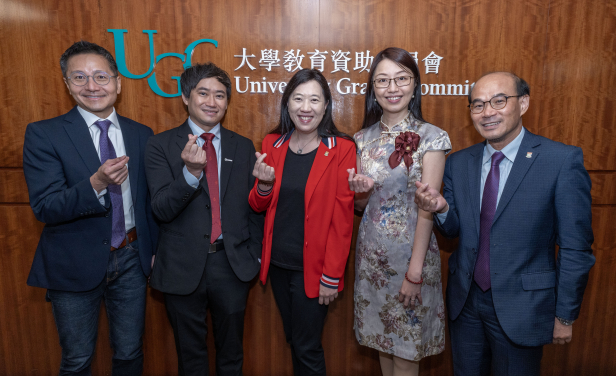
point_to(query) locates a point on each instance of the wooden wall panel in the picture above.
(565, 49)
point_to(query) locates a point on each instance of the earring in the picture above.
(413, 96)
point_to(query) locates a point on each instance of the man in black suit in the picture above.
(86, 180)
(200, 175)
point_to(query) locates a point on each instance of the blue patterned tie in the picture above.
(488, 208)
(118, 230)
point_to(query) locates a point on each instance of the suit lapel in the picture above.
(131, 144)
(321, 161)
(78, 131)
(518, 170)
(474, 181)
(228, 143)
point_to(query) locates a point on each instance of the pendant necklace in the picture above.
(299, 150)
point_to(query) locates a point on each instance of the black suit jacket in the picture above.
(59, 158)
(185, 215)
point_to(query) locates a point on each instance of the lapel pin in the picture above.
(529, 154)
(326, 153)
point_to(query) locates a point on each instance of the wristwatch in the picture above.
(565, 322)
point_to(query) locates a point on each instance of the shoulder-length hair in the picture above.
(372, 110)
(326, 128)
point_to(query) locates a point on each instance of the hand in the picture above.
(194, 156)
(327, 295)
(262, 171)
(112, 172)
(359, 183)
(429, 199)
(562, 333)
(409, 294)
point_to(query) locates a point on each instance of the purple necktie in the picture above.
(118, 228)
(488, 208)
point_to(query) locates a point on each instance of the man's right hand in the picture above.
(429, 199)
(112, 172)
(194, 156)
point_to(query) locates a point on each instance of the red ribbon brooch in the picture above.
(406, 144)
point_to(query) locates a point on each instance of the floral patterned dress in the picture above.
(384, 247)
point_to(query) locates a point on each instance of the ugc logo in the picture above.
(186, 58)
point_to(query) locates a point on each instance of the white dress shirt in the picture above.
(115, 135)
(190, 178)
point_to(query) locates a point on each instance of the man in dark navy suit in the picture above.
(510, 200)
(86, 181)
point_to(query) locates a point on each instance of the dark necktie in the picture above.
(211, 175)
(488, 208)
(118, 228)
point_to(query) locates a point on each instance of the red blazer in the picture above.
(328, 225)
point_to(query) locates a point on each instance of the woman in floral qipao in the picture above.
(399, 307)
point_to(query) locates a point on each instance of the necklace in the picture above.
(299, 150)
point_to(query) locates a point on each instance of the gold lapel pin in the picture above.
(326, 153)
(529, 154)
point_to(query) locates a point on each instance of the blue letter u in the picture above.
(118, 38)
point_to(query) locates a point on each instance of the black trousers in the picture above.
(225, 295)
(303, 319)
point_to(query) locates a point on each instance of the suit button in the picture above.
(207, 206)
(468, 275)
(105, 242)
(184, 199)
(474, 250)
(206, 236)
(107, 215)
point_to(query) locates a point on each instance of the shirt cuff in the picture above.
(441, 217)
(101, 196)
(330, 282)
(190, 178)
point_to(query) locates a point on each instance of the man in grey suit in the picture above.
(200, 175)
(510, 200)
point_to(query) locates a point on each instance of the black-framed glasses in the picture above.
(80, 79)
(400, 81)
(498, 103)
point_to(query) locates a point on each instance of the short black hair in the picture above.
(85, 47)
(193, 75)
(521, 86)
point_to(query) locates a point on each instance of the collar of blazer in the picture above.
(228, 144)
(325, 154)
(330, 142)
(520, 167)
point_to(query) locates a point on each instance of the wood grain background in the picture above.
(565, 49)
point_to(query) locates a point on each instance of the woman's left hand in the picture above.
(327, 295)
(409, 294)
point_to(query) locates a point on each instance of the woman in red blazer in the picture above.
(302, 183)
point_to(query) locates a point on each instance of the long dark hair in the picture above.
(372, 110)
(326, 128)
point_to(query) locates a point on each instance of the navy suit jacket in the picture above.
(59, 158)
(546, 201)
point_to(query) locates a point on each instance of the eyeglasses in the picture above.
(80, 79)
(400, 81)
(498, 103)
